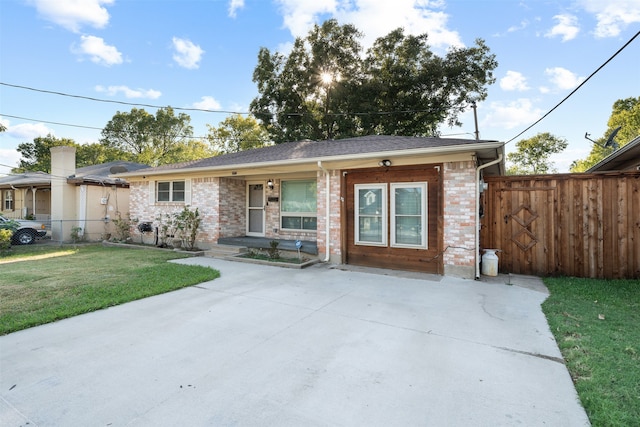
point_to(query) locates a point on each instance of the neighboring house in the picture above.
(382, 201)
(624, 159)
(68, 197)
(26, 195)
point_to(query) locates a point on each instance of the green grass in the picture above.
(41, 284)
(597, 326)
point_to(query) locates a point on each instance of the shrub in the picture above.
(5, 239)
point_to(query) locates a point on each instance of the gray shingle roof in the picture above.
(306, 149)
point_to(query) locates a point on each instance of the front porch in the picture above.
(308, 246)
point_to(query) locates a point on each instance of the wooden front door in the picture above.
(393, 218)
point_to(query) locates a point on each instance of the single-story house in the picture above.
(88, 197)
(408, 203)
(627, 158)
(26, 195)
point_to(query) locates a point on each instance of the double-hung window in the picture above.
(371, 214)
(298, 205)
(392, 214)
(408, 215)
(7, 203)
(170, 191)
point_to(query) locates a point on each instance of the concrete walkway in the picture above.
(265, 346)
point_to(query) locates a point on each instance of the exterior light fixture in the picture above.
(384, 163)
(270, 184)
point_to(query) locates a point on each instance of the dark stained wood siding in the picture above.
(585, 225)
(422, 260)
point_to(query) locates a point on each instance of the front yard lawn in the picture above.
(597, 326)
(42, 284)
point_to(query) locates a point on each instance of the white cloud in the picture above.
(514, 28)
(567, 27)
(98, 51)
(508, 115)
(374, 18)
(73, 14)
(514, 80)
(234, 5)
(207, 103)
(187, 54)
(562, 78)
(128, 92)
(612, 16)
(25, 130)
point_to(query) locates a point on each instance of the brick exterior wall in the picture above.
(459, 219)
(335, 213)
(221, 216)
(222, 205)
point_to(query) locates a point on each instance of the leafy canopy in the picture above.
(237, 133)
(532, 155)
(626, 115)
(36, 155)
(153, 140)
(327, 87)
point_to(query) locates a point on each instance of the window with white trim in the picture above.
(371, 214)
(409, 215)
(170, 191)
(298, 205)
(7, 202)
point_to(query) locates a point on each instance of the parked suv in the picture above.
(24, 231)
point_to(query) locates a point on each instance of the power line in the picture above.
(111, 101)
(49, 122)
(576, 89)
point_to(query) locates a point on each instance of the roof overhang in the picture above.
(626, 158)
(483, 153)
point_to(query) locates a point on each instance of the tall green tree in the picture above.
(153, 140)
(532, 155)
(237, 133)
(625, 115)
(327, 87)
(36, 155)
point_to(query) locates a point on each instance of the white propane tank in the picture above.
(490, 262)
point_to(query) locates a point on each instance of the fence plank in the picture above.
(588, 225)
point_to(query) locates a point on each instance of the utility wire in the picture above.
(576, 89)
(112, 101)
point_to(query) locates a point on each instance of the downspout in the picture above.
(327, 226)
(478, 169)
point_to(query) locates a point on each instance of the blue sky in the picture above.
(202, 53)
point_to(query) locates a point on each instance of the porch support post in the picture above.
(327, 227)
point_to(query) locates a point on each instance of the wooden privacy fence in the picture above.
(583, 225)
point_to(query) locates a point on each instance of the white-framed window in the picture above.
(7, 201)
(409, 215)
(170, 191)
(371, 214)
(298, 205)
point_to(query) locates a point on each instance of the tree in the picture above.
(328, 88)
(626, 115)
(36, 155)
(192, 149)
(153, 140)
(532, 155)
(237, 133)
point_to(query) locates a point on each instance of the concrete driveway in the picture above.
(265, 346)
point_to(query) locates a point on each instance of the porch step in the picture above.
(221, 251)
